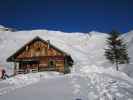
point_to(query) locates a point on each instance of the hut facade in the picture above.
(39, 55)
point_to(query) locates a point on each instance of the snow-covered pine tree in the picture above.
(116, 52)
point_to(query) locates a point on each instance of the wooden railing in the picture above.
(24, 71)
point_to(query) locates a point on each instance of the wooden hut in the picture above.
(39, 55)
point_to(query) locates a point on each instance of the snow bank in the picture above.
(23, 80)
(31, 77)
(110, 72)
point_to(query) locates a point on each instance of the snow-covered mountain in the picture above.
(128, 37)
(3, 28)
(92, 77)
(86, 49)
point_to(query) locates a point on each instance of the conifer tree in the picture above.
(116, 52)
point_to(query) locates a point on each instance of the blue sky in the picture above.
(68, 15)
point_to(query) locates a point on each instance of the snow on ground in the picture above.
(23, 80)
(93, 86)
(92, 77)
(47, 89)
(101, 87)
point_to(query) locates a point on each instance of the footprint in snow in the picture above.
(76, 91)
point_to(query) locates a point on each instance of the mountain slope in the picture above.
(92, 77)
(84, 48)
(87, 50)
(128, 37)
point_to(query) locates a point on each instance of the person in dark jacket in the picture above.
(4, 75)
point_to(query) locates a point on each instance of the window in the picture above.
(51, 63)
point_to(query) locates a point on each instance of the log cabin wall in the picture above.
(46, 56)
(38, 49)
(33, 50)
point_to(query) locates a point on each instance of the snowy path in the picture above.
(58, 88)
(49, 89)
(71, 87)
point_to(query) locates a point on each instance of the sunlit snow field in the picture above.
(92, 76)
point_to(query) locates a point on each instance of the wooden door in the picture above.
(52, 65)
